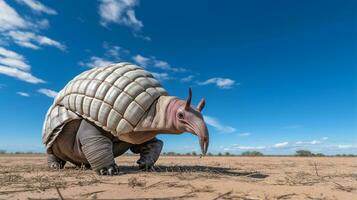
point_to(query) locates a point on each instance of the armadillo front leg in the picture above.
(98, 149)
(149, 153)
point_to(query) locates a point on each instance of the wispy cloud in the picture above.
(346, 146)
(161, 76)
(21, 75)
(24, 94)
(48, 92)
(33, 41)
(38, 7)
(218, 125)
(111, 55)
(25, 32)
(156, 63)
(96, 62)
(313, 142)
(166, 66)
(187, 78)
(15, 65)
(236, 146)
(13, 59)
(114, 51)
(245, 134)
(141, 60)
(281, 145)
(223, 83)
(9, 18)
(120, 12)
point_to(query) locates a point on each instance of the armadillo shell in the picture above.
(114, 97)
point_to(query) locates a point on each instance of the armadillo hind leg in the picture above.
(54, 162)
(66, 147)
(98, 149)
(149, 153)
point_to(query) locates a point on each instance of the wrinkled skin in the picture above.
(189, 119)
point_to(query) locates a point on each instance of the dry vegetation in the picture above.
(249, 178)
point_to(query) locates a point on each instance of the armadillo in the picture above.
(104, 111)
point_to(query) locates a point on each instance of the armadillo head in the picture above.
(190, 119)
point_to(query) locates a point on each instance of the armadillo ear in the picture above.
(188, 102)
(201, 105)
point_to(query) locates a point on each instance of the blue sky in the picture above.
(277, 75)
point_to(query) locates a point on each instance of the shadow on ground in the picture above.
(196, 169)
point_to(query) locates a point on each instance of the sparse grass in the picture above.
(200, 178)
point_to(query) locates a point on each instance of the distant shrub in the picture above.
(319, 155)
(194, 153)
(170, 153)
(227, 154)
(346, 155)
(219, 154)
(252, 153)
(2, 151)
(304, 153)
(209, 154)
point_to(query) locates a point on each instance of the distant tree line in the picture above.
(298, 153)
(19, 152)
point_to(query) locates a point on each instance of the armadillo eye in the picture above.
(180, 115)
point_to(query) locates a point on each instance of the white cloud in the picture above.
(281, 145)
(345, 146)
(48, 92)
(143, 37)
(313, 142)
(141, 60)
(248, 147)
(9, 18)
(161, 76)
(24, 32)
(166, 66)
(16, 66)
(120, 12)
(113, 51)
(163, 65)
(224, 83)
(187, 78)
(13, 59)
(244, 134)
(38, 7)
(10, 54)
(32, 40)
(24, 94)
(96, 62)
(22, 75)
(216, 124)
(12, 62)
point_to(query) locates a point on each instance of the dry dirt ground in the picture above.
(27, 177)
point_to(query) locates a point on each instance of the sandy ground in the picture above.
(27, 177)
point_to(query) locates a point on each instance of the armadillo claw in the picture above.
(145, 167)
(56, 165)
(112, 170)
